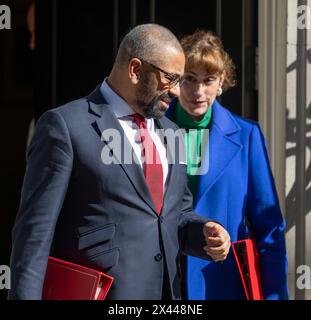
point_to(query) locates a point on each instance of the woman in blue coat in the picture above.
(233, 182)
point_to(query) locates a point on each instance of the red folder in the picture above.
(247, 259)
(69, 281)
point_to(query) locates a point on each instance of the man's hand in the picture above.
(217, 241)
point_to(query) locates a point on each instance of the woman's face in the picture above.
(199, 91)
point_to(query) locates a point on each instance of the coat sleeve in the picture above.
(266, 220)
(48, 171)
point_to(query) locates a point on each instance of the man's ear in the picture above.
(134, 70)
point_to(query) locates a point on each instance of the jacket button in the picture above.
(158, 257)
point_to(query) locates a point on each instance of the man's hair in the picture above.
(145, 42)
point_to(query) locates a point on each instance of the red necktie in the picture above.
(153, 165)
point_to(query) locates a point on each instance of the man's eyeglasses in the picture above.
(172, 78)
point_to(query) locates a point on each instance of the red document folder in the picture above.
(247, 259)
(69, 281)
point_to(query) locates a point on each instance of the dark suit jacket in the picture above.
(75, 207)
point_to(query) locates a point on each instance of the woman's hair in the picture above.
(204, 48)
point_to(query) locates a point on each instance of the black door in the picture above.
(77, 42)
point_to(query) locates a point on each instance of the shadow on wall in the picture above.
(291, 152)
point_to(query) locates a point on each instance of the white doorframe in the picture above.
(272, 52)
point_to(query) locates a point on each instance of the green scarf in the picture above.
(193, 139)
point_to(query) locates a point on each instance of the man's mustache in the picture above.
(166, 97)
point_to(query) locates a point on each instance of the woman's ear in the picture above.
(222, 78)
(134, 70)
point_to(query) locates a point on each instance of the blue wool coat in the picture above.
(238, 190)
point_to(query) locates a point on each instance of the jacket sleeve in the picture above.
(48, 171)
(190, 228)
(266, 220)
(191, 225)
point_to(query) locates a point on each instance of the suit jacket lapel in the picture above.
(107, 121)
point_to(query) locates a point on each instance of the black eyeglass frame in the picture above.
(172, 83)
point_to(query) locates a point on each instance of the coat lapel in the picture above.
(221, 150)
(107, 120)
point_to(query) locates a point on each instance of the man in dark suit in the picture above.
(82, 201)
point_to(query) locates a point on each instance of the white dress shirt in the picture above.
(123, 112)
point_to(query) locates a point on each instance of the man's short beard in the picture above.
(150, 108)
(154, 110)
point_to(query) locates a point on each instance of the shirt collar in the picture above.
(118, 106)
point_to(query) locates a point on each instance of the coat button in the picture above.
(158, 257)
